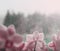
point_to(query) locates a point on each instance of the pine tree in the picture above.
(7, 19)
(10, 19)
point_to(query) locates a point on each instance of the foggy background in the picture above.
(31, 15)
(46, 7)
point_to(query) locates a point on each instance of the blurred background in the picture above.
(31, 15)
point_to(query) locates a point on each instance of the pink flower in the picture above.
(55, 43)
(18, 47)
(29, 46)
(40, 44)
(9, 39)
(11, 30)
(29, 37)
(17, 41)
(9, 45)
(3, 36)
(25, 47)
(51, 45)
(38, 38)
(41, 37)
(3, 32)
(12, 41)
(17, 38)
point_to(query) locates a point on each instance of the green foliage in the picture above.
(10, 19)
(47, 40)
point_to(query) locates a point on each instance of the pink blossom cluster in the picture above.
(10, 40)
(38, 41)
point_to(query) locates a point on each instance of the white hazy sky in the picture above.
(30, 6)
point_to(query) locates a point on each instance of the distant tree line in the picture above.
(36, 21)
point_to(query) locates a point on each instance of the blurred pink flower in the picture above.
(3, 32)
(55, 43)
(11, 30)
(29, 46)
(29, 37)
(17, 40)
(38, 41)
(9, 39)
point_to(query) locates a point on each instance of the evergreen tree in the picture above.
(10, 19)
(7, 19)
